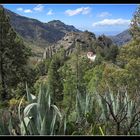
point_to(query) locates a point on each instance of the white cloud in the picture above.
(104, 14)
(82, 10)
(27, 11)
(111, 22)
(50, 12)
(39, 8)
(20, 9)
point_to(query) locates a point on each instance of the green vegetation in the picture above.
(13, 58)
(69, 94)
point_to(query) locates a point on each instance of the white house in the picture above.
(91, 56)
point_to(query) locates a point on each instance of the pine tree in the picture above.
(135, 25)
(129, 57)
(54, 80)
(13, 56)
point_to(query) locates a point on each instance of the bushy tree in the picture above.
(13, 56)
(135, 25)
(42, 67)
(105, 48)
(93, 78)
(55, 79)
(127, 53)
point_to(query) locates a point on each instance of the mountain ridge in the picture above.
(45, 34)
(41, 33)
(121, 38)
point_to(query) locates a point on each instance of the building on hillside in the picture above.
(91, 56)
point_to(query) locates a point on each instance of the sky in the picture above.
(108, 19)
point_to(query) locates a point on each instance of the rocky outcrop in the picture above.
(69, 42)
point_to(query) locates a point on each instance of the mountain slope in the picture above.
(68, 42)
(121, 38)
(35, 31)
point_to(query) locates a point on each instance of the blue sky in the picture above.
(109, 19)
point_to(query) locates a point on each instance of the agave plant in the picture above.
(84, 105)
(40, 117)
(88, 114)
(122, 110)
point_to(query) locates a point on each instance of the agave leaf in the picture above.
(80, 111)
(28, 109)
(129, 111)
(90, 105)
(65, 123)
(117, 104)
(57, 111)
(87, 104)
(113, 102)
(41, 102)
(48, 99)
(33, 97)
(32, 126)
(108, 96)
(104, 108)
(53, 123)
(43, 130)
(29, 97)
(19, 107)
(24, 126)
(125, 101)
(38, 122)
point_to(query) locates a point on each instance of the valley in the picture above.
(56, 79)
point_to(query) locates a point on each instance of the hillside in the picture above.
(121, 38)
(56, 80)
(68, 42)
(51, 36)
(38, 32)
